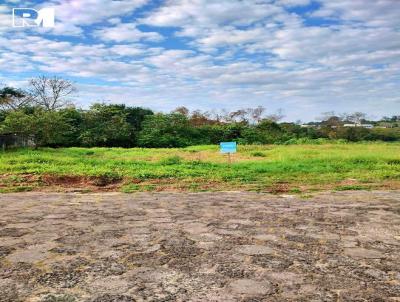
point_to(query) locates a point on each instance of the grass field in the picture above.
(273, 168)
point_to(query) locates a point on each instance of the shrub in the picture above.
(258, 154)
(172, 160)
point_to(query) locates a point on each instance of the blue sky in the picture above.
(303, 56)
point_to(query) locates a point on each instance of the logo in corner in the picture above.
(29, 17)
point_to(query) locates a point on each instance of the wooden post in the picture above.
(229, 158)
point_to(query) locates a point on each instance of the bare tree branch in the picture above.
(51, 93)
(257, 113)
(276, 117)
(356, 117)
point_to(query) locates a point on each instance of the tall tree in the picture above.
(182, 110)
(106, 125)
(51, 93)
(257, 113)
(46, 128)
(276, 117)
(167, 130)
(13, 99)
(356, 117)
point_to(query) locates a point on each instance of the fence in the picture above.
(13, 140)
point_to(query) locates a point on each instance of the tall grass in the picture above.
(293, 164)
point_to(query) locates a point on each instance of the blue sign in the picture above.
(228, 147)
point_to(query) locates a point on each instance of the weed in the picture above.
(258, 154)
(172, 160)
(351, 188)
(89, 153)
(16, 189)
(130, 188)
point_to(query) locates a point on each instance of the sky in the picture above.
(303, 56)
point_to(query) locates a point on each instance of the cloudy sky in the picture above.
(304, 56)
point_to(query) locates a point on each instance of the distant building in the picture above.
(367, 126)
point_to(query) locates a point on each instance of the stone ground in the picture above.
(342, 246)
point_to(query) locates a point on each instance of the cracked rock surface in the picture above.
(227, 246)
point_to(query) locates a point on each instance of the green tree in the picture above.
(135, 116)
(106, 125)
(168, 130)
(13, 98)
(354, 134)
(46, 128)
(74, 118)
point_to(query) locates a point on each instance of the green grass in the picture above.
(15, 189)
(200, 168)
(351, 188)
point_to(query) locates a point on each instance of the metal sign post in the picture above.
(228, 148)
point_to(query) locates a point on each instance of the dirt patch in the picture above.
(80, 181)
(115, 183)
(59, 183)
(279, 188)
(77, 181)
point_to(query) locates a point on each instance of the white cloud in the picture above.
(291, 3)
(128, 49)
(221, 54)
(369, 12)
(88, 12)
(126, 32)
(210, 13)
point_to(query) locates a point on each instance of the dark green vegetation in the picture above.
(45, 114)
(274, 168)
(121, 126)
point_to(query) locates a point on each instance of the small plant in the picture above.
(172, 160)
(149, 188)
(193, 187)
(12, 179)
(106, 179)
(351, 188)
(258, 154)
(393, 162)
(130, 188)
(16, 189)
(58, 298)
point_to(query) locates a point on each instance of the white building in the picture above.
(368, 126)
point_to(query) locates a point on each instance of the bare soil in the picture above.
(236, 246)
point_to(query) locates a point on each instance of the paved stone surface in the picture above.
(342, 246)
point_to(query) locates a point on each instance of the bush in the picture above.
(172, 160)
(258, 154)
(167, 131)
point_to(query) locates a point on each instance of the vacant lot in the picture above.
(106, 247)
(295, 168)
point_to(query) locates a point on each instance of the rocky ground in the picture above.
(342, 246)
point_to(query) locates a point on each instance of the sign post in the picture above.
(228, 148)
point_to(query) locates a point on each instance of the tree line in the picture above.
(45, 112)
